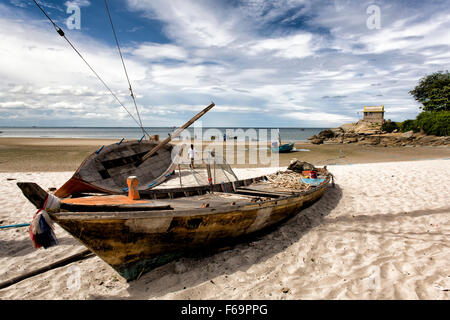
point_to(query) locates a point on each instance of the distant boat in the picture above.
(282, 148)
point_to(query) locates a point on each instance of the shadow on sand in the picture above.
(24, 246)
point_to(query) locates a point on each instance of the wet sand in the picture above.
(57, 154)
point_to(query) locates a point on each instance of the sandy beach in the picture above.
(381, 233)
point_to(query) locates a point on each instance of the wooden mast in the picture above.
(175, 134)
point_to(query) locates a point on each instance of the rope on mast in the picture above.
(123, 64)
(61, 33)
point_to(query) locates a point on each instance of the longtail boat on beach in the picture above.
(141, 230)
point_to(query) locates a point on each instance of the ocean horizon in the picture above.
(204, 133)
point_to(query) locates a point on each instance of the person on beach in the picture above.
(191, 155)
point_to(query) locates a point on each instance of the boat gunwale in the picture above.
(124, 215)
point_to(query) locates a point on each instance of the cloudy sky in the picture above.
(285, 63)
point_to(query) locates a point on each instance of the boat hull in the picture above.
(136, 242)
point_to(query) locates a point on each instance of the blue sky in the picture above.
(286, 63)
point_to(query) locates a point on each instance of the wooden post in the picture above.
(76, 257)
(214, 181)
(208, 169)
(175, 134)
(133, 193)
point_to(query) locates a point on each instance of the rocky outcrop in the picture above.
(367, 133)
(351, 140)
(361, 127)
(315, 140)
(326, 134)
(433, 140)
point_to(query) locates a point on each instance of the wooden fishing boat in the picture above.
(107, 169)
(137, 235)
(284, 148)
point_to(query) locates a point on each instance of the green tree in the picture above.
(390, 126)
(436, 123)
(409, 125)
(433, 91)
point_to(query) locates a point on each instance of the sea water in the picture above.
(205, 133)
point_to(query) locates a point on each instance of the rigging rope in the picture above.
(61, 33)
(123, 64)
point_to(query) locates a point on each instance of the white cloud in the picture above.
(181, 76)
(409, 38)
(39, 71)
(294, 46)
(32, 54)
(18, 3)
(198, 23)
(12, 104)
(155, 51)
(79, 3)
(321, 118)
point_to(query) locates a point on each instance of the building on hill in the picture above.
(374, 114)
